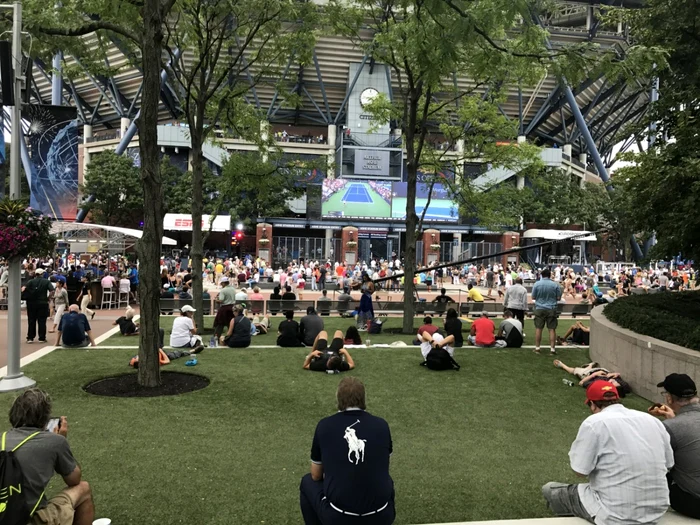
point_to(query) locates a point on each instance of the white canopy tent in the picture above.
(91, 238)
(558, 235)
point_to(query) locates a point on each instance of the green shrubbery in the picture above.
(672, 317)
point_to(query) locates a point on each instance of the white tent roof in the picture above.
(558, 234)
(64, 226)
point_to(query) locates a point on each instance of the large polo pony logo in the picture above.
(355, 445)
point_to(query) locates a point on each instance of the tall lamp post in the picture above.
(15, 379)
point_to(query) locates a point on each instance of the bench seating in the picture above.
(381, 307)
(670, 518)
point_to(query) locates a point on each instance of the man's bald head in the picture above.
(74, 308)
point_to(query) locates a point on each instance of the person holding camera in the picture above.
(39, 453)
(332, 359)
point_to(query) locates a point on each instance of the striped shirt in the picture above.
(626, 455)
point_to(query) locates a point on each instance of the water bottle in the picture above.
(212, 341)
(567, 382)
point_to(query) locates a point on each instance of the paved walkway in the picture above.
(100, 325)
(670, 518)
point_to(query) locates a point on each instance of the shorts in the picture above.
(548, 317)
(489, 284)
(336, 345)
(58, 511)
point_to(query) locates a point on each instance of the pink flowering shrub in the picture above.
(23, 231)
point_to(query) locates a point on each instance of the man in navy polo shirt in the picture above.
(349, 481)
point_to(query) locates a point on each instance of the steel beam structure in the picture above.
(350, 88)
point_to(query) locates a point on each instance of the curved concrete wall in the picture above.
(643, 361)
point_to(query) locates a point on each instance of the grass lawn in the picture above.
(470, 445)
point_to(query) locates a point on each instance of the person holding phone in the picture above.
(43, 451)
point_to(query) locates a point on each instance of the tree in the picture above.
(62, 27)
(660, 189)
(251, 188)
(234, 45)
(115, 183)
(427, 46)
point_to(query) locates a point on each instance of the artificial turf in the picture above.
(470, 445)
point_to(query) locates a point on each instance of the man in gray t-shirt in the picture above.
(41, 452)
(510, 330)
(682, 421)
(310, 326)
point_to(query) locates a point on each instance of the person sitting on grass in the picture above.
(184, 331)
(39, 453)
(126, 323)
(482, 333)
(352, 336)
(349, 482)
(288, 332)
(310, 326)
(593, 372)
(577, 334)
(74, 329)
(510, 330)
(324, 358)
(427, 326)
(435, 340)
(239, 331)
(453, 327)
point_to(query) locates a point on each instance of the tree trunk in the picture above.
(411, 217)
(197, 250)
(149, 247)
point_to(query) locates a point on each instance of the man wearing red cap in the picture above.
(682, 421)
(625, 454)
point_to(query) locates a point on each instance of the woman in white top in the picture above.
(60, 301)
(183, 334)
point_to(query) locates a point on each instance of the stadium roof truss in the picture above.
(542, 111)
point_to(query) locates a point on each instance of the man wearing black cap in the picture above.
(682, 421)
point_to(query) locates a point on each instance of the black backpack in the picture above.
(440, 359)
(13, 503)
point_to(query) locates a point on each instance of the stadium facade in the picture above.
(363, 202)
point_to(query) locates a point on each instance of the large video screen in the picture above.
(349, 198)
(441, 208)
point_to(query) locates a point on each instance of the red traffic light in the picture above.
(239, 236)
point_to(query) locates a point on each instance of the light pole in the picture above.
(15, 379)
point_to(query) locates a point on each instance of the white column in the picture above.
(332, 136)
(583, 159)
(520, 181)
(329, 245)
(589, 17)
(87, 134)
(456, 245)
(124, 125)
(566, 149)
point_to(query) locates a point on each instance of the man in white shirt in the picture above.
(184, 332)
(242, 295)
(626, 455)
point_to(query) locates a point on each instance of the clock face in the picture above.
(368, 96)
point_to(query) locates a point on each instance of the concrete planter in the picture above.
(643, 361)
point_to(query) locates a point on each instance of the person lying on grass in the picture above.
(436, 340)
(126, 323)
(164, 358)
(593, 372)
(324, 358)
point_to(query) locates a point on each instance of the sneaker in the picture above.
(30, 341)
(552, 352)
(42, 340)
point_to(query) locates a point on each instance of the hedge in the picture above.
(671, 317)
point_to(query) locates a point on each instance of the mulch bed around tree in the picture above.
(125, 385)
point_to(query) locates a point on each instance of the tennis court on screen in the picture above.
(357, 193)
